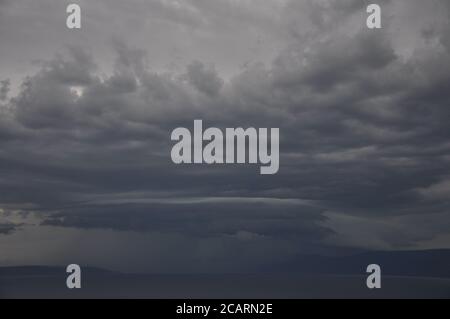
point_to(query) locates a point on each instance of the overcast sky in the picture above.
(86, 117)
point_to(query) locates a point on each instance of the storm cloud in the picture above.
(363, 117)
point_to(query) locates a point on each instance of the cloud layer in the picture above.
(363, 117)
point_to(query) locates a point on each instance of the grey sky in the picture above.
(86, 118)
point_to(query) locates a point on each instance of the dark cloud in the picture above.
(204, 79)
(6, 229)
(201, 217)
(363, 123)
(4, 89)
